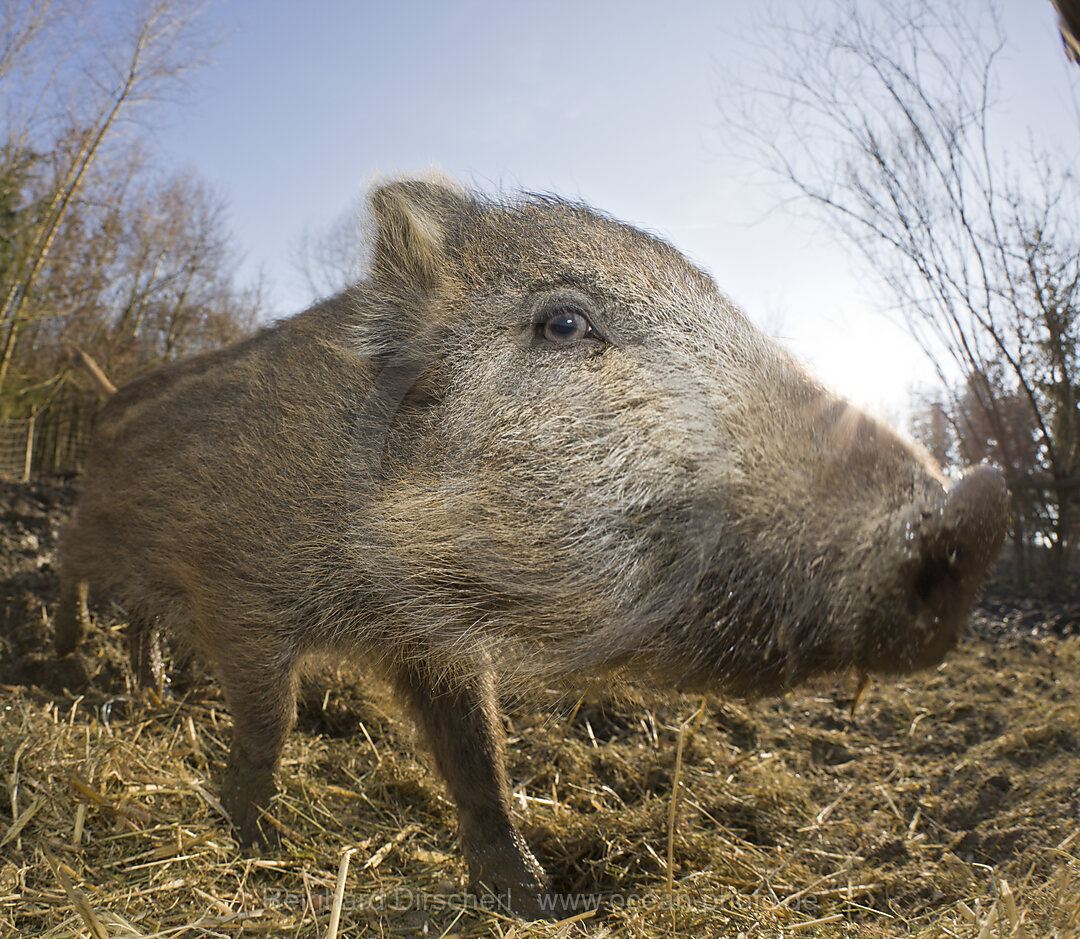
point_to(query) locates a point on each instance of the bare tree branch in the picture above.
(881, 118)
(156, 54)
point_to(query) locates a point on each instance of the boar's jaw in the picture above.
(942, 552)
(891, 602)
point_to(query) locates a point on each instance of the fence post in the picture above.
(29, 458)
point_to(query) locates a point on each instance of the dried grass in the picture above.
(946, 807)
(948, 804)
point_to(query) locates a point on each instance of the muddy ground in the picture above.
(946, 804)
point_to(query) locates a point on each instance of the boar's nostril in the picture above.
(937, 572)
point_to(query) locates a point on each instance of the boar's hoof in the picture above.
(245, 795)
(144, 655)
(504, 867)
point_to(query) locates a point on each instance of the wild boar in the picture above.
(532, 441)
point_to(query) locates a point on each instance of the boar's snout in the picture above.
(945, 548)
(962, 538)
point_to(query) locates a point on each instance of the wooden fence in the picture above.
(51, 442)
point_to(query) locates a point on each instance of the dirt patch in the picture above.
(947, 804)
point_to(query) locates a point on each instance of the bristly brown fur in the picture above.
(412, 473)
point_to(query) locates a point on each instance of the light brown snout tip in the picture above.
(978, 506)
(959, 541)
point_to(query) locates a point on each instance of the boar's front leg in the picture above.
(72, 618)
(261, 694)
(458, 716)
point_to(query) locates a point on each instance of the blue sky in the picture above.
(612, 102)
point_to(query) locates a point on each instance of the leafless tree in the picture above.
(143, 271)
(22, 25)
(881, 118)
(103, 78)
(332, 258)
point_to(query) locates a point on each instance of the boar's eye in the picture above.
(565, 324)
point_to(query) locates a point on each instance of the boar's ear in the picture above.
(412, 219)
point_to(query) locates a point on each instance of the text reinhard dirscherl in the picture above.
(402, 899)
